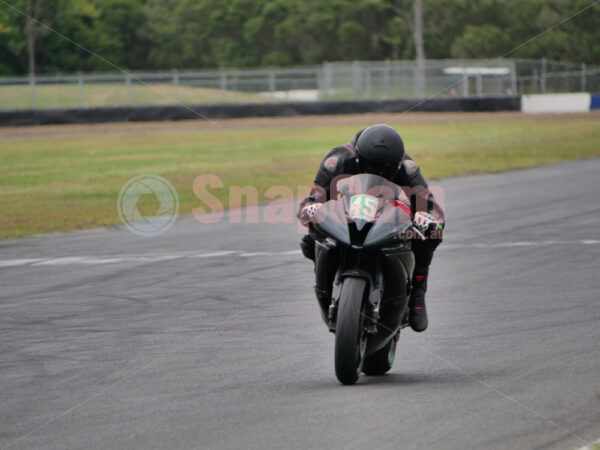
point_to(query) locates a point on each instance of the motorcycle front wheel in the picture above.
(350, 336)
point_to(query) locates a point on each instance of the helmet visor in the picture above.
(376, 168)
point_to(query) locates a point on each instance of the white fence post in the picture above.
(33, 93)
(513, 78)
(543, 75)
(419, 79)
(271, 82)
(128, 88)
(327, 79)
(320, 76)
(415, 81)
(223, 83)
(175, 74)
(386, 78)
(355, 78)
(583, 70)
(80, 88)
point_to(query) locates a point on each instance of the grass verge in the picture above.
(66, 183)
(98, 94)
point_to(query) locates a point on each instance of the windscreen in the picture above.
(365, 196)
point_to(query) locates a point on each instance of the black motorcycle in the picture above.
(363, 266)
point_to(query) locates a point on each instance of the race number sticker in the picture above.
(363, 207)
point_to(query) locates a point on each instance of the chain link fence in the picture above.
(330, 81)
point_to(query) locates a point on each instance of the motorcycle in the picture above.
(363, 267)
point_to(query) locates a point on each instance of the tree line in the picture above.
(185, 34)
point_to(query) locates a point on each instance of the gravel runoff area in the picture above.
(394, 119)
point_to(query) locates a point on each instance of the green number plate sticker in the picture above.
(363, 207)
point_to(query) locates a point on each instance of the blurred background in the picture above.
(202, 52)
(209, 336)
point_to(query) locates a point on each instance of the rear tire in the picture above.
(350, 338)
(382, 360)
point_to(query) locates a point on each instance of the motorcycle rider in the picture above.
(379, 150)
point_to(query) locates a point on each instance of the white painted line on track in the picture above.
(70, 260)
(154, 257)
(17, 262)
(213, 255)
(520, 244)
(148, 258)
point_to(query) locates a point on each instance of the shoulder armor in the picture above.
(330, 163)
(334, 161)
(410, 167)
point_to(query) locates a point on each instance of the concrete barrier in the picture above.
(176, 112)
(556, 103)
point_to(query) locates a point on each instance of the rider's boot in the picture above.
(307, 245)
(417, 316)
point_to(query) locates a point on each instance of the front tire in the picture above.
(350, 338)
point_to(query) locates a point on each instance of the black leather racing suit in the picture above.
(341, 161)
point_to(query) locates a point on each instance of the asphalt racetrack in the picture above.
(209, 336)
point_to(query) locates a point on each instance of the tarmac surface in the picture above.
(209, 336)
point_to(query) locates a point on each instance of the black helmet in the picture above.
(379, 150)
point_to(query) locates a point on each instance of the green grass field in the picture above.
(115, 94)
(97, 94)
(64, 183)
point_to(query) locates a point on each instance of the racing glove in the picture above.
(308, 212)
(427, 223)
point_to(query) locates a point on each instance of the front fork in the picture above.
(394, 265)
(329, 279)
(374, 298)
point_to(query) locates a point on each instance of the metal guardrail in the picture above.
(358, 80)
